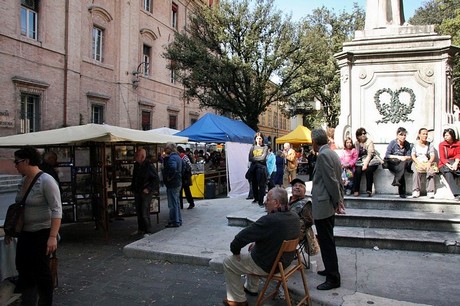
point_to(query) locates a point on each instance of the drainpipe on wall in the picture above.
(66, 60)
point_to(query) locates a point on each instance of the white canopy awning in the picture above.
(89, 132)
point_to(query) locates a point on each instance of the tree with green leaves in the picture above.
(238, 58)
(324, 34)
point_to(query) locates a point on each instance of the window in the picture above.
(269, 123)
(173, 121)
(30, 113)
(97, 43)
(147, 5)
(146, 51)
(146, 120)
(275, 120)
(97, 113)
(173, 73)
(193, 120)
(29, 16)
(175, 11)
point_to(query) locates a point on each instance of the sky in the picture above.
(301, 8)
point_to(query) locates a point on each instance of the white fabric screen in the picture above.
(237, 155)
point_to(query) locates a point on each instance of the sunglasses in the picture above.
(17, 162)
(363, 133)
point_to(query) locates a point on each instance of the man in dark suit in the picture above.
(327, 193)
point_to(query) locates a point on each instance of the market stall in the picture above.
(95, 164)
(300, 135)
(237, 138)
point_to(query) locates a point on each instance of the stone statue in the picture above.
(384, 14)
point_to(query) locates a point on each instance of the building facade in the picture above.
(68, 62)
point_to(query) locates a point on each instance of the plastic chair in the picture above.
(283, 274)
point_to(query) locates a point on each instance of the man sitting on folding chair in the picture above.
(301, 204)
(265, 237)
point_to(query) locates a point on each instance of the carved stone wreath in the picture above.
(395, 111)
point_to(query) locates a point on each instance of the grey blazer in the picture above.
(327, 190)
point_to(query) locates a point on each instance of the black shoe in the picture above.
(402, 196)
(172, 225)
(254, 201)
(249, 198)
(322, 273)
(250, 293)
(328, 285)
(191, 206)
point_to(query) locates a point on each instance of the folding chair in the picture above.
(304, 251)
(281, 275)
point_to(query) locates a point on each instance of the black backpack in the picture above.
(186, 171)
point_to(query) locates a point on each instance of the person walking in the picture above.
(186, 178)
(145, 185)
(327, 194)
(42, 220)
(172, 176)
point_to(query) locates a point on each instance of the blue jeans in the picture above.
(173, 194)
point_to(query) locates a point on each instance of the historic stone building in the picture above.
(76, 62)
(67, 63)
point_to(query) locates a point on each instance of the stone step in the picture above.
(395, 203)
(398, 239)
(392, 219)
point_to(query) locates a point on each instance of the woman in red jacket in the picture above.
(449, 158)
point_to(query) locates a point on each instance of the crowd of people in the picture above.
(419, 158)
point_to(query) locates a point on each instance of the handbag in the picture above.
(313, 245)
(54, 269)
(14, 219)
(422, 168)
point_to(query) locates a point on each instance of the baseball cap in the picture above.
(297, 180)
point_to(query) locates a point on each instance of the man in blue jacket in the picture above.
(172, 178)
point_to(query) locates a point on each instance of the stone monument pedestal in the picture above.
(392, 77)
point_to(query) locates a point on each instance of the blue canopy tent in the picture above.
(238, 138)
(214, 128)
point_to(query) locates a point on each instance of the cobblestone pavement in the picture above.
(94, 271)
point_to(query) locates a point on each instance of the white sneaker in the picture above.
(430, 195)
(415, 194)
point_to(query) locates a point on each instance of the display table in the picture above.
(7, 259)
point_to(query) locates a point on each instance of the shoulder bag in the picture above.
(14, 220)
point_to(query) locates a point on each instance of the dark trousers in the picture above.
(142, 201)
(188, 195)
(369, 177)
(271, 181)
(33, 266)
(326, 240)
(451, 180)
(398, 168)
(259, 182)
